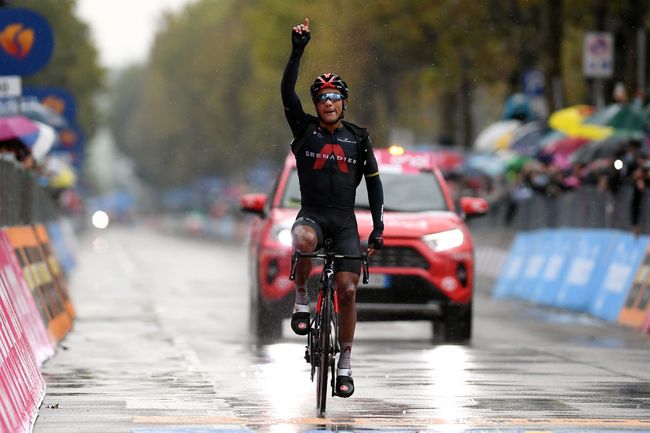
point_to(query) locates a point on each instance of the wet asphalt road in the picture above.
(161, 345)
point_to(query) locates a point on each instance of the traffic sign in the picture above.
(533, 83)
(10, 86)
(598, 55)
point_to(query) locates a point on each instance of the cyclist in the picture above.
(332, 156)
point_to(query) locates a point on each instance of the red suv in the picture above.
(425, 271)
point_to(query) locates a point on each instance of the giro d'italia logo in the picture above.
(26, 41)
(16, 40)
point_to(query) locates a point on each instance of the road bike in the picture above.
(323, 337)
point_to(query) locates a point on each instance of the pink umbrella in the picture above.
(566, 146)
(14, 127)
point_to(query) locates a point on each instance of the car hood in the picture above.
(410, 225)
(396, 224)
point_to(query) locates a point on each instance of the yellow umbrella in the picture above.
(503, 142)
(60, 173)
(66, 178)
(496, 136)
(569, 121)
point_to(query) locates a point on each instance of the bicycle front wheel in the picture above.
(324, 361)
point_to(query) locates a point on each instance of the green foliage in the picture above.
(208, 102)
(74, 65)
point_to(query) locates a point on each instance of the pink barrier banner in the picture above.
(22, 301)
(646, 325)
(21, 385)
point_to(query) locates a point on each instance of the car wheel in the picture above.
(455, 327)
(265, 324)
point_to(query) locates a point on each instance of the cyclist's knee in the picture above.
(304, 238)
(347, 292)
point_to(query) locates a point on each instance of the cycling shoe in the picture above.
(344, 383)
(300, 319)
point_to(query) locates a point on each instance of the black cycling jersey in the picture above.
(330, 165)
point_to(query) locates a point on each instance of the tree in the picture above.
(209, 102)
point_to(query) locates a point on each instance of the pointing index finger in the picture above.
(306, 23)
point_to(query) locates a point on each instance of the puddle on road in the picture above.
(522, 404)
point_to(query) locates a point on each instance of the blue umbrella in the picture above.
(528, 139)
(483, 163)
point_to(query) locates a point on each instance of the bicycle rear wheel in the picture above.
(324, 361)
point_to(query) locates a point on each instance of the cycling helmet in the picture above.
(329, 80)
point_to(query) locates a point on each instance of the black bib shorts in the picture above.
(339, 225)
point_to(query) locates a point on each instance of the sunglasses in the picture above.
(334, 97)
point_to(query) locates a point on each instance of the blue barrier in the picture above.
(511, 269)
(627, 252)
(589, 254)
(577, 269)
(559, 250)
(62, 250)
(533, 266)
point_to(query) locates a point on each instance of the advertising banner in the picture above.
(58, 99)
(26, 41)
(53, 267)
(61, 246)
(605, 273)
(21, 384)
(513, 267)
(52, 302)
(559, 250)
(627, 252)
(23, 303)
(590, 251)
(70, 146)
(533, 266)
(637, 304)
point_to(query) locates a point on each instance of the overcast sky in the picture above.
(123, 30)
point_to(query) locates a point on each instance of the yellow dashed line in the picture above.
(392, 422)
(186, 420)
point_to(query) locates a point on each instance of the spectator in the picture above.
(640, 173)
(19, 152)
(620, 93)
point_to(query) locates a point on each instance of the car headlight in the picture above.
(446, 240)
(282, 233)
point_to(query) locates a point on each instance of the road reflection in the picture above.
(283, 368)
(449, 372)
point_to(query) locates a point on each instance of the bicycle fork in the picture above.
(328, 281)
(312, 350)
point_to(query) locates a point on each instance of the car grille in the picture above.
(399, 257)
(404, 289)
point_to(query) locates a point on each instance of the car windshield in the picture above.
(403, 192)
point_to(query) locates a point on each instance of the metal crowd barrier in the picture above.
(584, 207)
(22, 200)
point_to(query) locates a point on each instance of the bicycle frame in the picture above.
(322, 340)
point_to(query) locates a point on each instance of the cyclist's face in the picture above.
(329, 111)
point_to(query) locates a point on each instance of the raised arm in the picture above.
(300, 36)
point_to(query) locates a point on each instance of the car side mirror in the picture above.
(254, 204)
(474, 206)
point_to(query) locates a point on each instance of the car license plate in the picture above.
(378, 281)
